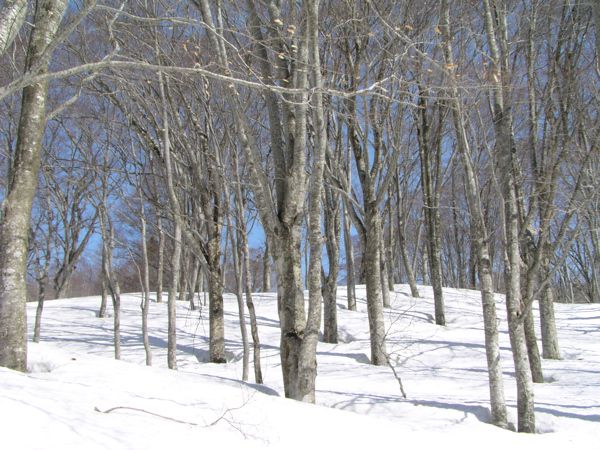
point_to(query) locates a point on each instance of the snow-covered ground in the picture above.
(73, 381)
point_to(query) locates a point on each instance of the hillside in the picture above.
(73, 377)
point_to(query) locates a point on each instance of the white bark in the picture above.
(12, 17)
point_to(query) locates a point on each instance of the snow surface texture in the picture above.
(73, 380)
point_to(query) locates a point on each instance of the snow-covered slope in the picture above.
(73, 381)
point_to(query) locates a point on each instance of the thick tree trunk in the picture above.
(216, 338)
(291, 307)
(533, 351)
(373, 281)
(332, 244)
(550, 348)
(16, 208)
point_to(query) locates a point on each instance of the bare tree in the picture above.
(16, 208)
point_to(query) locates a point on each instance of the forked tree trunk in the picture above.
(480, 240)
(495, 26)
(244, 255)
(16, 208)
(430, 157)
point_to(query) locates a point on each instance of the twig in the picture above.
(148, 412)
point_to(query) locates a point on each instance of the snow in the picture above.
(73, 379)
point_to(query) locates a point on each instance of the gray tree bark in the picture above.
(16, 208)
(495, 26)
(349, 250)
(329, 290)
(266, 263)
(480, 236)
(430, 155)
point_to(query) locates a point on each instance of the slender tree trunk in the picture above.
(40, 307)
(348, 249)
(160, 269)
(16, 208)
(193, 284)
(145, 304)
(236, 246)
(244, 254)
(104, 287)
(535, 360)
(172, 298)
(385, 286)
(266, 261)
(332, 243)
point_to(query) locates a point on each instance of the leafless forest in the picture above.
(222, 146)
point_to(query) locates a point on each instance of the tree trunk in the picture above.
(550, 348)
(385, 285)
(237, 250)
(145, 304)
(430, 184)
(479, 238)
(161, 261)
(348, 249)
(373, 281)
(266, 261)
(505, 168)
(40, 308)
(16, 208)
(172, 299)
(535, 360)
(291, 307)
(332, 244)
(216, 338)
